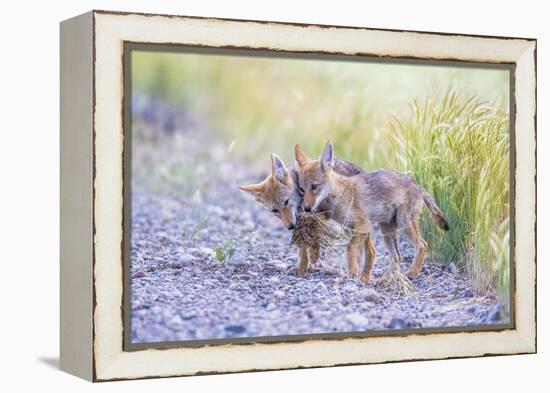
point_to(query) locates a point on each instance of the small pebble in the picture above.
(357, 319)
(187, 258)
(397, 323)
(235, 329)
(139, 274)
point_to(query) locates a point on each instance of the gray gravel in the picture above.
(187, 214)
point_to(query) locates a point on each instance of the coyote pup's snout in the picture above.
(314, 177)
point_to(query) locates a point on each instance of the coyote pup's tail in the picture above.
(435, 211)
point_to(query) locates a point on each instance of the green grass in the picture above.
(458, 150)
(225, 252)
(267, 105)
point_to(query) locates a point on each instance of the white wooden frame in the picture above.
(92, 195)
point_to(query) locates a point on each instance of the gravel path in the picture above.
(209, 262)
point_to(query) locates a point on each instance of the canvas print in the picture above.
(277, 197)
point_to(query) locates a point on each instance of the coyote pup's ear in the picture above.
(254, 189)
(278, 169)
(301, 157)
(294, 176)
(327, 158)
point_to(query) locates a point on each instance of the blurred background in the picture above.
(448, 127)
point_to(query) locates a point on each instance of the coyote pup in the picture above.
(279, 194)
(391, 199)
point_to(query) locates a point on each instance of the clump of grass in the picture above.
(200, 214)
(225, 252)
(500, 246)
(396, 283)
(270, 104)
(313, 229)
(458, 150)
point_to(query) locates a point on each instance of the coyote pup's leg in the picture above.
(303, 261)
(390, 240)
(353, 254)
(314, 254)
(370, 255)
(413, 233)
(390, 234)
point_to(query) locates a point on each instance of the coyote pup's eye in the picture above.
(275, 211)
(314, 187)
(286, 202)
(301, 190)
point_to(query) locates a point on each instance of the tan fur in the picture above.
(391, 199)
(370, 255)
(279, 194)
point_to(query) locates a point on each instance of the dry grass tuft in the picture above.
(396, 282)
(313, 229)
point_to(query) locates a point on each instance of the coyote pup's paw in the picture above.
(365, 279)
(412, 274)
(353, 272)
(314, 268)
(296, 271)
